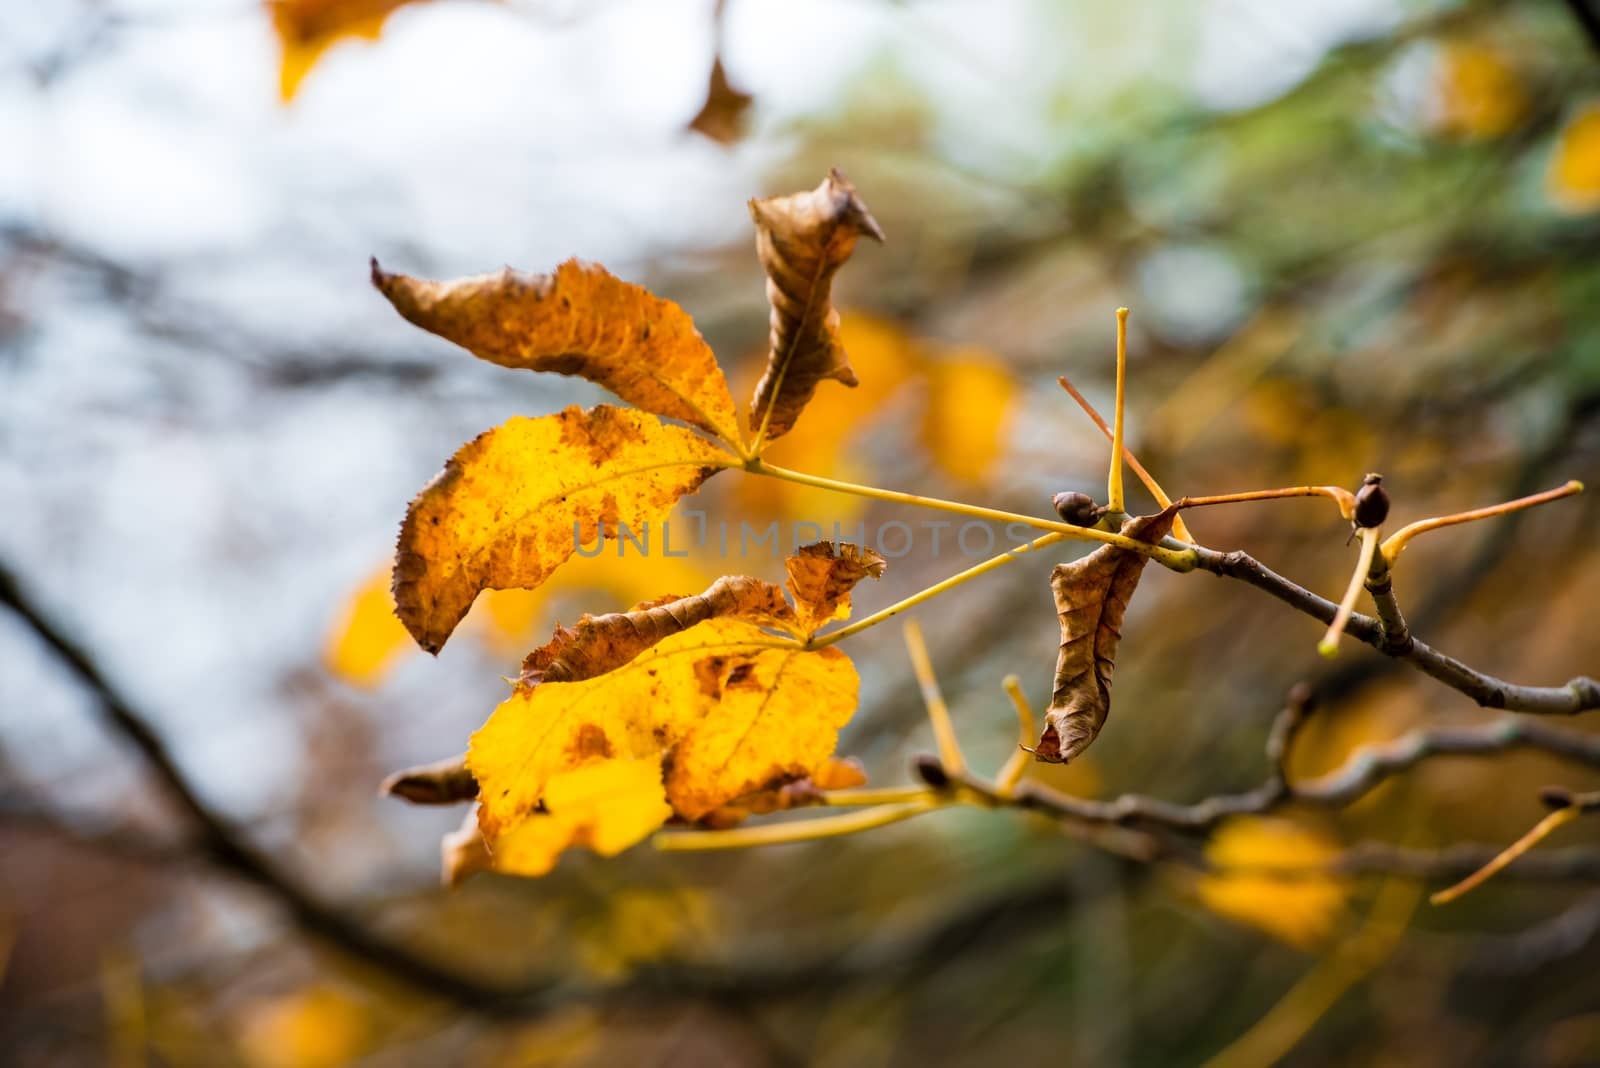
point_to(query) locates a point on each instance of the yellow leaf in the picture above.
(802, 240)
(703, 696)
(1573, 180)
(515, 503)
(972, 399)
(582, 321)
(308, 28)
(1477, 93)
(368, 638)
(776, 716)
(318, 1027)
(607, 806)
(1301, 908)
(635, 926)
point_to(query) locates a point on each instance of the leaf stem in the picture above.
(1396, 543)
(1540, 831)
(1027, 731)
(1176, 559)
(1179, 528)
(944, 732)
(792, 830)
(1114, 499)
(873, 795)
(935, 590)
(1329, 645)
(1343, 497)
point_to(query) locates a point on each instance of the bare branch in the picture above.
(1578, 695)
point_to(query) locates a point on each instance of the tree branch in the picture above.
(1578, 695)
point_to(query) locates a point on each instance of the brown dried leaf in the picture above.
(444, 782)
(583, 321)
(514, 504)
(603, 643)
(802, 240)
(721, 118)
(1092, 596)
(821, 577)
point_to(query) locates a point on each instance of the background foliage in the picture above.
(1359, 236)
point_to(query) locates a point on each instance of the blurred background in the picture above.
(1355, 235)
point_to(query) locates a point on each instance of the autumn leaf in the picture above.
(582, 321)
(514, 504)
(971, 399)
(1573, 180)
(605, 806)
(721, 117)
(601, 643)
(731, 718)
(318, 1026)
(802, 240)
(824, 442)
(443, 782)
(1092, 596)
(735, 709)
(773, 716)
(834, 774)
(1301, 908)
(1477, 93)
(821, 577)
(308, 28)
(368, 637)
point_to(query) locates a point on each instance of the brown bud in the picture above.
(927, 767)
(1078, 509)
(1556, 797)
(1372, 502)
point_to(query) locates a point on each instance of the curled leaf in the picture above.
(821, 577)
(1092, 596)
(802, 240)
(721, 117)
(515, 503)
(581, 320)
(603, 643)
(444, 782)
